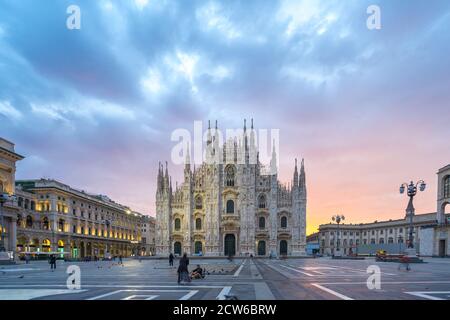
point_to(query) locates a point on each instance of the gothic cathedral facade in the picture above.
(231, 205)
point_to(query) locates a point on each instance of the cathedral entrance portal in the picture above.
(261, 248)
(283, 248)
(230, 245)
(177, 248)
(198, 247)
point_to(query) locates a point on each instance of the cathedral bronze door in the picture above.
(177, 248)
(230, 245)
(198, 247)
(283, 247)
(261, 248)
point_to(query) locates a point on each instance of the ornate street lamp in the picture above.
(338, 218)
(411, 192)
(4, 197)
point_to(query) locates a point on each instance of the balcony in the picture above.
(286, 231)
(230, 217)
(262, 232)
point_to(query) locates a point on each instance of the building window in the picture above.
(229, 176)
(198, 202)
(447, 187)
(198, 224)
(262, 223)
(391, 240)
(61, 225)
(177, 224)
(26, 203)
(400, 240)
(262, 201)
(381, 241)
(357, 242)
(372, 241)
(283, 222)
(45, 224)
(33, 205)
(29, 222)
(20, 202)
(230, 206)
(74, 229)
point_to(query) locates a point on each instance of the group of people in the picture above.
(183, 271)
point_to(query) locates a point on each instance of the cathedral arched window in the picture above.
(262, 223)
(262, 201)
(229, 176)
(283, 222)
(198, 224)
(230, 206)
(447, 187)
(177, 224)
(198, 202)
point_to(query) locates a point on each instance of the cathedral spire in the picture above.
(295, 182)
(302, 182)
(273, 161)
(187, 162)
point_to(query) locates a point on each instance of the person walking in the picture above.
(404, 260)
(52, 262)
(183, 272)
(171, 257)
(120, 260)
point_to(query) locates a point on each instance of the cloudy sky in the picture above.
(367, 109)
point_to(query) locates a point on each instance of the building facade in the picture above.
(438, 237)
(8, 211)
(367, 238)
(231, 204)
(148, 226)
(42, 216)
(313, 244)
(54, 217)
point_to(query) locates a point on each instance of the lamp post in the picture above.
(4, 197)
(410, 211)
(338, 218)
